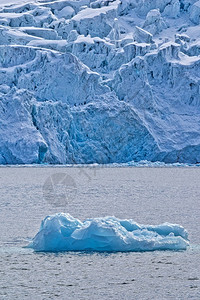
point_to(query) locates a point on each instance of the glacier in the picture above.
(62, 232)
(105, 81)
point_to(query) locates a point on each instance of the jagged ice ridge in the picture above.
(104, 81)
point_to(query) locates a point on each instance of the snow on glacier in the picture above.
(99, 81)
(62, 232)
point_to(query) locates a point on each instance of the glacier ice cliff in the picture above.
(62, 232)
(104, 81)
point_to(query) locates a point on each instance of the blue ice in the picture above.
(62, 232)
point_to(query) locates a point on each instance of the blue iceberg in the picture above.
(62, 232)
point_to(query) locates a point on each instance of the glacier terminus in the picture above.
(104, 81)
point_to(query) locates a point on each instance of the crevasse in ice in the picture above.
(99, 81)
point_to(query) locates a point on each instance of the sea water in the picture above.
(147, 195)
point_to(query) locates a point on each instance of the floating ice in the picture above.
(62, 232)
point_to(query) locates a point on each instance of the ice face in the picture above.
(195, 13)
(100, 81)
(62, 232)
(154, 22)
